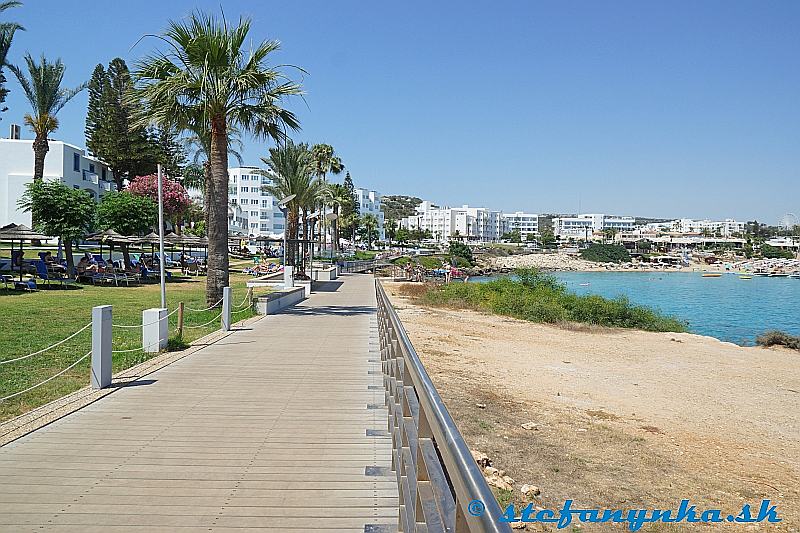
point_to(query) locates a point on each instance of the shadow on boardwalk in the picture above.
(336, 310)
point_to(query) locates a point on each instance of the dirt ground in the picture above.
(624, 419)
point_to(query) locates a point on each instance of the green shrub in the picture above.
(541, 298)
(778, 338)
(459, 249)
(606, 253)
(772, 252)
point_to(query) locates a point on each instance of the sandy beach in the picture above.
(618, 418)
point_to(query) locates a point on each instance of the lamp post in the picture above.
(161, 240)
(312, 218)
(330, 217)
(283, 205)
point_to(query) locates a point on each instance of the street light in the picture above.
(312, 218)
(330, 217)
(283, 206)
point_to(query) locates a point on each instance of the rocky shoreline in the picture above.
(489, 266)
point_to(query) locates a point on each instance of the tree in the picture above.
(391, 230)
(339, 198)
(174, 196)
(351, 213)
(369, 229)
(7, 30)
(547, 238)
(323, 161)
(512, 236)
(211, 75)
(291, 175)
(459, 249)
(42, 88)
(128, 214)
(112, 133)
(60, 211)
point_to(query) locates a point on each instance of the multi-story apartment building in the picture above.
(446, 223)
(722, 228)
(525, 223)
(585, 225)
(370, 203)
(64, 162)
(260, 213)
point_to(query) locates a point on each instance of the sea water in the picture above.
(728, 308)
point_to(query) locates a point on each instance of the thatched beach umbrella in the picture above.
(21, 233)
(152, 239)
(111, 238)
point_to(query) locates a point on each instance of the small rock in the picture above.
(581, 430)
(530, 426)
(519, 525)
(529, 491)
(481, 458)
(491, 471)
(504, 482)
(480, 405)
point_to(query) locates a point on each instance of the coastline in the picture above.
(562, 262)
(676, 415)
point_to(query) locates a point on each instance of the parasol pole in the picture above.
(161, 241)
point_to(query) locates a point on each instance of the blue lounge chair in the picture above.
(42, 272)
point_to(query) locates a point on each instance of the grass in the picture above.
(778, 338)
(33, 321)
(541, 298)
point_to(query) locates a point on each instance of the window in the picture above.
(76, 162)
(276, 227)
(264, 227)
(253, 213)
(91, 168)
(265, 203)
(264, 216)
(245, 189)
(105, 177)
(245, 201)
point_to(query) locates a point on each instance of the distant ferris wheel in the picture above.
(788, 221)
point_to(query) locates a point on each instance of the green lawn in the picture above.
(33, 321)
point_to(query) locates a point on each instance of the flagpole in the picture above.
(161, 259)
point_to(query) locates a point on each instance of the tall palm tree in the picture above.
(210, 71)
(337, 195)
(42, 87)
(370, 224)
(323, 161)
(292, 174)
(198, 144)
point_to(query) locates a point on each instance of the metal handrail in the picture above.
(355, 266)
(437, 475)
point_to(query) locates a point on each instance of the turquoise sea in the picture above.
(727, 307)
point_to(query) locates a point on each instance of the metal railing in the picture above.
(357, 266)
(438, 479)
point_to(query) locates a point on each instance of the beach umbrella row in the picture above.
(19, 232)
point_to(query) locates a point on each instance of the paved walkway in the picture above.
(274, 427)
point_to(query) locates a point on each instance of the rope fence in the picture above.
(59, 343)
(125, 326)
(206, 309)
(70, 367)
(207, 323)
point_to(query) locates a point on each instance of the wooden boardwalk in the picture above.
(280, 426)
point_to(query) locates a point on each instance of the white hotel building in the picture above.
(369, 202)
(525, 223)
(585, 225)
(446, 223)
(64, 162)
(724, 228)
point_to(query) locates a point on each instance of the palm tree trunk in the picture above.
(335, 228)
(40, 149)
(126, 255)
(216, 200)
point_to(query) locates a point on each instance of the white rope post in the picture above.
(226, 308)
(155, 330)
(288, 277)
(101, 346)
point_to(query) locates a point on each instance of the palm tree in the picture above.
(370, 224)
(198, 145)
(7, 30)
(292, 174)
(211, 76)
(336, 195)
(42, 87)
(323, 161)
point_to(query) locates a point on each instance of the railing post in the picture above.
(226, 308)
(155, 330)
(101, 346)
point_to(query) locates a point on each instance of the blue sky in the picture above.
(629, 107)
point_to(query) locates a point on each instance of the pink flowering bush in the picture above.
(176, 199)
